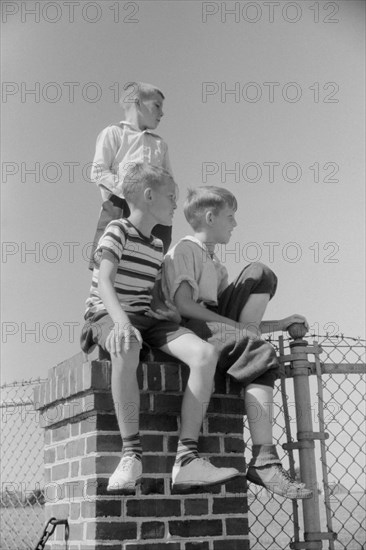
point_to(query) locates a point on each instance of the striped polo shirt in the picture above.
(139, 263)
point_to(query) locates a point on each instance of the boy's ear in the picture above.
(148, 194)
(209, 217)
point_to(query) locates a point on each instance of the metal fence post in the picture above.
(300, 371)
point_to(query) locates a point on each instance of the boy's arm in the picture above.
(120, 336)
(160, 307)
(105, 153)
(282, 324)
(190, 309)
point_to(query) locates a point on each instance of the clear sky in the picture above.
(267, 100)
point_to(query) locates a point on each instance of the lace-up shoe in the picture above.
(276, 480)
(127, 474)
(199, 473)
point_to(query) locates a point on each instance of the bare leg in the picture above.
(265, 468)
(201, 359)
(189, 470)
(126, 398)
(259, 407)
(125, 390)
(253, 311)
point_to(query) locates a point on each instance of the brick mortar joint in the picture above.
(74, 420)
(93, 412)
(70, 398)
(64, 401)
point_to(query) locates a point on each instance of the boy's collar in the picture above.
(150, 238)
(134, 127)
(147, 131)
(200, 243)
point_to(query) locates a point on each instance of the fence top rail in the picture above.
(335, 340)
(343, 368)
(13, 403)
(339, 337)
(332, 368)
(17, 383)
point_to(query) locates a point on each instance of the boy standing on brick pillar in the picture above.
(124, 144)
(119, 316)
(230, 317)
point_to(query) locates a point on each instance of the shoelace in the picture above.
(288, 478)
(125, 464)
(205, 462)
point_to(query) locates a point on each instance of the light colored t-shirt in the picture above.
(118, 146)
(139, 265)
(190, 261)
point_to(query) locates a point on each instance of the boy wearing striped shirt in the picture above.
(119, 316)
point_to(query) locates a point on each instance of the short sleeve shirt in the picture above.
(189, 260)
(139, 265)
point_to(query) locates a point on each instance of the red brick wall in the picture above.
(82, 448)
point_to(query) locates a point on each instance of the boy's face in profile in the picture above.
(164, 202)
(150, 111)
(223, 225)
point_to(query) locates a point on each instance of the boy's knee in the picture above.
(258, 270)
(206, 356)
(266, 278)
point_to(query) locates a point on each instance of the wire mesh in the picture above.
(21, 498)
(345, 448)
(271, 518)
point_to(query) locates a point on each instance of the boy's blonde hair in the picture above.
(206, 198)
(134, 91)
(140, 176)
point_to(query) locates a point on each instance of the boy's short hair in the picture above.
(133, 91)
(204, 198)
(140, 176)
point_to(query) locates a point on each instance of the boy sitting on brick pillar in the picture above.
(119, 315)
(230, 317)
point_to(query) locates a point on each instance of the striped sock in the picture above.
(187, 451)
(264, 455)
(132, 446)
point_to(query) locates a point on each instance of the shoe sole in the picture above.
(184, 488)
(127, 490)
(273, 492)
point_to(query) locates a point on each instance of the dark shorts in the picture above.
(114, 209)
(245, 360)
(154, 332)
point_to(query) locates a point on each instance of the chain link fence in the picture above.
(22, 479)
(274, 522)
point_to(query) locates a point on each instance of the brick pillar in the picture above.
(82, 448)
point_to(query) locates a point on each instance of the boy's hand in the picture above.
(169, 314)
(250, 333)
(121, 338)
(295, 318)
(253, 335)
